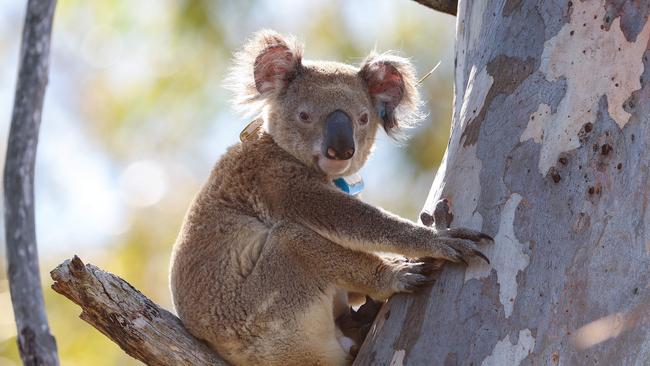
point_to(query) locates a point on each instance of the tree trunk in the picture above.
(549, 154)
(36, 344)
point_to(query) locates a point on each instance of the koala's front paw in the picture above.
(413, 275)
(459, 244)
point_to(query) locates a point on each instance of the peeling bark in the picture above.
(35, 343)
(549, 153)
(507, 74)
(141, 328)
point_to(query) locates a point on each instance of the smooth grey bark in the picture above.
(549, 153)
(140, 327)
(37, 346)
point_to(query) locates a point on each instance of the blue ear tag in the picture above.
(352, 185)
(382, 112)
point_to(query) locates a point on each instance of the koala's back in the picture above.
(232, 286)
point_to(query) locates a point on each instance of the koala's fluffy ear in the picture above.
(263, 69)
(392, 87)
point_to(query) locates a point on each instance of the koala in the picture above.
(270, 249)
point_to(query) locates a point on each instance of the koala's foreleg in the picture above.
(356, 225)
(353, 270)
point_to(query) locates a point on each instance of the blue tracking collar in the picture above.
(352, 185)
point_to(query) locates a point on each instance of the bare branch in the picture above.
(140, 327)
(37, 346)
(445, 6)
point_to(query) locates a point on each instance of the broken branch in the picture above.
(141, 328)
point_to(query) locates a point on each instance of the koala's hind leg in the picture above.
(293, 305)
(331, 265)
(296, 281)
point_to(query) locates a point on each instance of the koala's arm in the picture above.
(354, 224)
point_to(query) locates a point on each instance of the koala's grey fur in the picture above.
(270, 248)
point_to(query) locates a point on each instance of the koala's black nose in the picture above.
(338, 143)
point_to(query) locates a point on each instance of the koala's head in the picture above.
(325, 114)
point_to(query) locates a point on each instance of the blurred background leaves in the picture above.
(135, 117)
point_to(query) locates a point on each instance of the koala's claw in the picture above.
(462, 243)
(467, 234)
(487, 237)
(415, 282)
(413, 276)
(459, 250)
(482, 256)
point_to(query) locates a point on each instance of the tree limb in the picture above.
(37, 346)
(140, 327)
(445, 6)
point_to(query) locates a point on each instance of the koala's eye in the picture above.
(363, 119)
(304, 116)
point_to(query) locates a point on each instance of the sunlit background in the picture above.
(135, 116)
